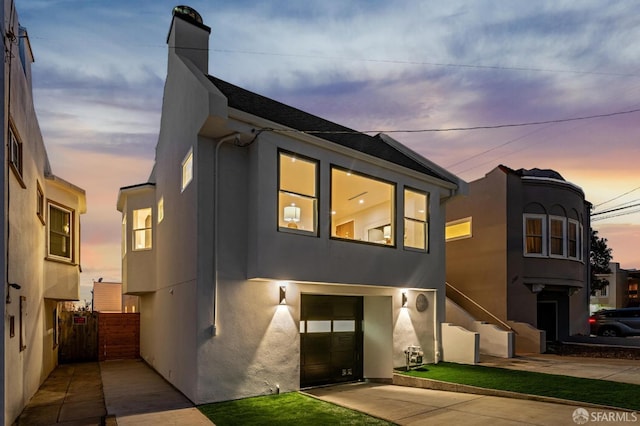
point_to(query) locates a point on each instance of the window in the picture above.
(604, 291)
(160, 209)
(187, 169)
(123, 236)
(535, 235)
(362, 208)
(15, 154)
(142, 229)
(415, 219)
(23, 323)
(55, 327)
(557, 236)
(458, 229)
(40, 203)
(60, 232)
(298, 193)
(574, 249)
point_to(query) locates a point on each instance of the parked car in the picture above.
(616, 322)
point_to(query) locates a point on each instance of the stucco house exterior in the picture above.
(41, 233)
(616, 293)
(518, 246)
(273, 249)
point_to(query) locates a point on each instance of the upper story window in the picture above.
(187, 170)
(298, 193)
(557, 236)
(362, 208)
(40, 203)
(416, 216)
(142, 222)
(15, 155)
(574, 239)
(123, 236)
(160, 209)
(458, 229)
(535, 232)
(60, 232)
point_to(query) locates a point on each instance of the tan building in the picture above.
(108, 298)
(518, 246)
(40, 237)
(616, 294)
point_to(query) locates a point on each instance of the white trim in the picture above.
(71, 234)
(545, 245)
(564, 236)
(578, 255)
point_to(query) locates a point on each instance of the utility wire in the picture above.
(615, 210)
(453, 129)
(617, 197)
(599, 218)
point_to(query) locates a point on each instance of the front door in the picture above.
(330, 339)
(548, 318)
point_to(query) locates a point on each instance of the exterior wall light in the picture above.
(404, 299)
(11, 285)
(283, 295)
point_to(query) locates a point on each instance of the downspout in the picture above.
(234, 137)
(436, 329)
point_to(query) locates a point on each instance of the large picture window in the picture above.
(60, 232)
(415, 220)
(298, 193)
(362, 208)
(535, 231)
(142, 222)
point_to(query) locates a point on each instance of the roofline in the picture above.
(125, 190)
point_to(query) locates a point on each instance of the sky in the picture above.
(392, 66)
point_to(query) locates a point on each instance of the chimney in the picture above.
(189, 37)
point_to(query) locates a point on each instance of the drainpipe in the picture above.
(436, 340)
(234, 137)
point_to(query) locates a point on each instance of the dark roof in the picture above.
(543, 173)
(288, 116)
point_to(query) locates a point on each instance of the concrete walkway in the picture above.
(129, 392)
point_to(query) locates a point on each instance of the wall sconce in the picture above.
(404, 299)
(283, 295)
(292, 216)
(14, 285)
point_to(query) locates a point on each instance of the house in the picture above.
(616, 293)
(41, 237)
(273, 249)
(107, 297)
(518, 253)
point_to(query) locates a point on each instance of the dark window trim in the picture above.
(40, 202)
(315, 233)
(16, 168)
(394, 205)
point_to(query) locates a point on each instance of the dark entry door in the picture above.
(330, 339)
(548, 318)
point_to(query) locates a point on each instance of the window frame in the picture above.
(315, 198)
(543, 244)
(40, 202)
(187, 160)
(16, 158)
(393, 207)
(123, 236)
(551, 238)
(570, 223)
(135, 230)
(468, 219)
(160, 209)
(424, 223)
(71, 234)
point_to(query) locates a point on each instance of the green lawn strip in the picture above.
(579, 389)
(285, 409)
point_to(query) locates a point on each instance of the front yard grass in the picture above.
(616, 394)
(292, 409)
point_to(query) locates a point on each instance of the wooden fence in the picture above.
(94, 336)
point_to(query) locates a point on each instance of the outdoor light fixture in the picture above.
(11, 285)
(292, 216)
(283, 295)
(404, 299)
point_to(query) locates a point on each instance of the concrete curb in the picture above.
(418, 382)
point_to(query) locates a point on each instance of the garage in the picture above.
(330, 339)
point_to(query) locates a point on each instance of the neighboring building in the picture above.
(632, 288)
(616, 293)
(41, 233)
(108, 298)
(267, 258)
(518, 245)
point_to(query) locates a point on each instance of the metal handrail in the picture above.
(482, 308)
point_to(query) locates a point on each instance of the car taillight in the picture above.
(592, 320)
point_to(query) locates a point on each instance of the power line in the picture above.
(617, 197)
(453, 129)
(599, 218)
(615, 209)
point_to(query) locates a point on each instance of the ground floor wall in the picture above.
(256, 349)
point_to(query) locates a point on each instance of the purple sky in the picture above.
(369, 65)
